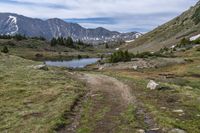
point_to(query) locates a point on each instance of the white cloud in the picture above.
(123, 10)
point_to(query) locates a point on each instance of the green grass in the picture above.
(128, 120)
(91, 113)
(29, 48)
(34, 100)
(185, 97)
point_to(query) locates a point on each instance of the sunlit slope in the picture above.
(186, 25)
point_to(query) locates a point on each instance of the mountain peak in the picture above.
(17, 24)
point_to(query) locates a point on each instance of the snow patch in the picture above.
(137, 35)
(173, 46)
(58, 30)
(13, 27)
(194, 37)
(130, 41)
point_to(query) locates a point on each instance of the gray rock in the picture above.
(41, 67)
(135, 67)
(140, 131)
(152, 85)
(176, 130)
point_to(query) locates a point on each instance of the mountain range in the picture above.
(187, 25)
(11, 24)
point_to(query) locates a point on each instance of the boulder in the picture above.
(152, 85)
(135, 67)
(41, 67)
(178, 111)
(101, 68)
(140, 131)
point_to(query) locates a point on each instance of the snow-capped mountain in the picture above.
(11, 24)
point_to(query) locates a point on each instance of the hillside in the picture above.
(184, 26)
(31, 97)
(39, 49)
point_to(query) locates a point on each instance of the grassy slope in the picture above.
(29, 48)
(183, 95)
(167, 34)
(34, 100)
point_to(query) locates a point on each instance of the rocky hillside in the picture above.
(186, 25)
(11, 24)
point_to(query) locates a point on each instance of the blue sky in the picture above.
(118, 15)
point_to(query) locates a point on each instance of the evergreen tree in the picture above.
(106, 46)
(80, 42)
(53, 42)
(19, 37)
(70, 42)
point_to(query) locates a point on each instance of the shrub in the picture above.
(144, 55)
(39, 55)
(79, 56)
(198, 49)
(197, 41)
(189, 60)
(184, 42)
(120, 56)
(5, 49)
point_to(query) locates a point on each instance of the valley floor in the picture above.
(35, 99)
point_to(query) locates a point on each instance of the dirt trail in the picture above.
(116, 89)
(116, 96)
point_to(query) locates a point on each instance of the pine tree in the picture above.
(53, 42)
(106, 46)
(70, 42)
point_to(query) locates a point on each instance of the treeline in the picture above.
(124, 56)
(20, 37)
(120, 56)
(68, 42)
(62, 41)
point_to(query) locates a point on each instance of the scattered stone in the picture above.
(178, 111)
(41, 67)
(198, 115)
(176, 130)
(152, 85)
(140, 131)
(135, 67)
(182, 114)
(101, 68)
(155, 129)
(163, 108)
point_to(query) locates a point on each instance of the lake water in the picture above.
(75, 63)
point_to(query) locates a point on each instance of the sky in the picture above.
(116, 15)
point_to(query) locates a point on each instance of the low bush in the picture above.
(198, 49)
(5, 49)
(120, 56)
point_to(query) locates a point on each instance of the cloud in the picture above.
(121, 15)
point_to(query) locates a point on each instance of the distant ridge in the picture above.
(11, 24)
